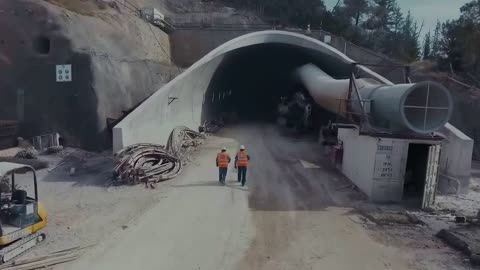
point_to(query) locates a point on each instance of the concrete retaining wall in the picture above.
(362, 164)
(180, 103)
(377, 165)
(358, 158)
(455, 162)
(190, 45)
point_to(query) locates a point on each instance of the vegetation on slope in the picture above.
(377, 24)
(382, 26)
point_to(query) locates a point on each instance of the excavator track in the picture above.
(20, 246)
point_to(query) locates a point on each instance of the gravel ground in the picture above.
(467, 204)
(295, 219)
(84, 208)
(290, 216)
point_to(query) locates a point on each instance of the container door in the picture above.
(431, 178)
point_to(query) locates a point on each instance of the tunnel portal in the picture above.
(246, 76)
(250, 82)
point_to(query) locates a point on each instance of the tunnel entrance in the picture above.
(250, 82)
(415, 174)
(41, 45)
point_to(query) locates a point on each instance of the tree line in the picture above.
(376, 24)
(455, 44)
(382, 26)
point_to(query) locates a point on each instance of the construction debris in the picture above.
(45, 261)
(145, 163)
(212, 126)
(54, 149)
(43, 142)
(72, 171)
(182, 140)
(5, 185)
(37, 164)
(153, 163)
(29, 153)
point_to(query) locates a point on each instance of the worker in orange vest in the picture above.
(241, 162)
(223, 159)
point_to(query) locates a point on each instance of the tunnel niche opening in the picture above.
(41, 45)
(250, 82)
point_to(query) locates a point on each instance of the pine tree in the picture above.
(410, 36)
(435, 40)
(355, 9)
(427, 47)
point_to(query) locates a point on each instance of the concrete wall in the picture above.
(389, 170)
(155, 119)
(365, 161)
(455, 161)
(376, 165)
(190, 45)
(358, 158)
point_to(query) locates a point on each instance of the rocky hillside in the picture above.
(117, 61)
(201, 12)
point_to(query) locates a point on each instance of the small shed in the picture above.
(392, 168)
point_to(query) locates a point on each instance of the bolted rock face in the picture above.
(30, 52)
(115, 64)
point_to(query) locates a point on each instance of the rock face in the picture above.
(117, 61)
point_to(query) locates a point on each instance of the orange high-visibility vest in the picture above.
(222, 159)
(242, 159)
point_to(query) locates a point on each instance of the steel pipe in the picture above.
(417, 107)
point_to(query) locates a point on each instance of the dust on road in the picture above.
(290, 217)
(297, 222)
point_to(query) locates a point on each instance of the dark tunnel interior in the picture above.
(250, 82)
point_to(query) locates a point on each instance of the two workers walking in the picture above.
(241, 163)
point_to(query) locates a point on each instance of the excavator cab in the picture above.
(22, 216)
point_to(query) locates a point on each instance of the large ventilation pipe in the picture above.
(420, 108)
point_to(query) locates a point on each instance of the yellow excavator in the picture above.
(21, 215)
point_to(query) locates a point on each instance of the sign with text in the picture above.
(64, 73)
(383, 162)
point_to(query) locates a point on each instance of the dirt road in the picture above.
(288, 218)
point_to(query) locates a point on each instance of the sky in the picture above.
(426, 10)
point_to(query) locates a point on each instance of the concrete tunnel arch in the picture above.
(183, 100)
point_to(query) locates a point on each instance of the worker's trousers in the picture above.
(222, 175)
(242, 175)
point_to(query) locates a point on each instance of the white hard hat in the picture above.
(242, 147)
(224, 148)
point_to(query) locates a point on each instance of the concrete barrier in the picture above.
(455, 161)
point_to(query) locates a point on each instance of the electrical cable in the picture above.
(161, 47)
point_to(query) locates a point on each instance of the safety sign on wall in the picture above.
(64, 73)
(383, 162)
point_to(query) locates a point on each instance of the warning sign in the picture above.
(64, 73)
(383, 162)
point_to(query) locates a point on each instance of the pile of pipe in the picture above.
(153, 163)
(213, 126)
(182, 140)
